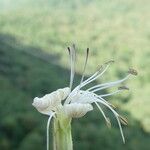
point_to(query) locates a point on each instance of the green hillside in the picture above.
(34, 61)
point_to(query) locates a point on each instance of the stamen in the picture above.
(104, 102)
(115, 92)
(47, 132)
(107, 85)
(121, 88)
(85, 64)
(72, 63)
(92, 77)
(111, 84)
(86, 81)
(121, 131)
(106, 119)
(116, 116)
(123, 120)
(98, 74)
(112, 105)
(108, 123)
(99, 97)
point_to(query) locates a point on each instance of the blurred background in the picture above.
(34, 35)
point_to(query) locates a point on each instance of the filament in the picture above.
(116, 116)
(72, 64)
(85, 64)
(107, 85)
(47, 131)
(115, 92)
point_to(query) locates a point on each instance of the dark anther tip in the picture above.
(123, 120)
(68, 49)
(87, 51)
(123, 88)
(110, 61)
(132, 71)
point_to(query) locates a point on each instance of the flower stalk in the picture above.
(62, 137)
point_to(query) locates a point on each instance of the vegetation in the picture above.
(33, 62)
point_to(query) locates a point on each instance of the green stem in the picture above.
(62, 138)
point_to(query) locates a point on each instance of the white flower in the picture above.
(77, 102)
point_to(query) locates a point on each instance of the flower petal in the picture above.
(51, 101)
(77, 110)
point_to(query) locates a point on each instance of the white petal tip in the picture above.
(36, 102)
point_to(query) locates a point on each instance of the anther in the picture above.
(109, 62)
(123, 120)
(112, 105)
(68, 50)
(108, 122)
(87, 51)
(123, 88)
(106, 63)
(132, 71)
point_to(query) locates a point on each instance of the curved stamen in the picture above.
(116, 116)
(94, 77)
(113, 93)
(83, 74)
(72, 64)
(97, 76)
(110, 84)
(47, 130)
(101, 110)
(107, 85)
